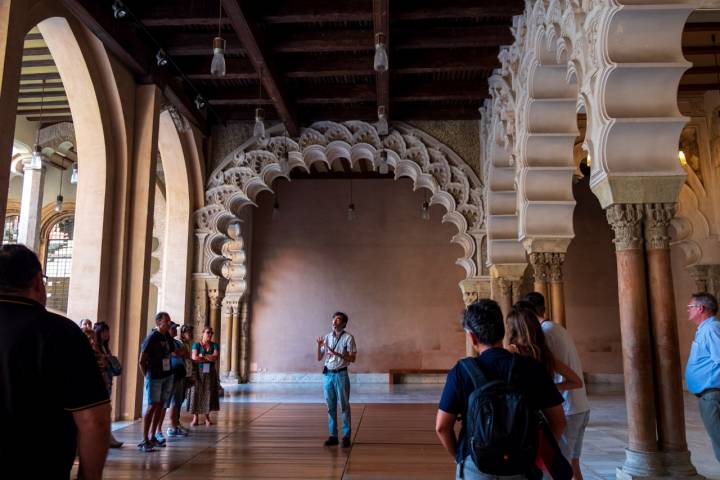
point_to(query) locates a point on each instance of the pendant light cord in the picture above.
(42, 102)
(220, 19)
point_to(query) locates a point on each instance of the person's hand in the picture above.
(320, 341)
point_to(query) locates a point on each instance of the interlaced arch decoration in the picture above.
(595, 55)
(252, 167)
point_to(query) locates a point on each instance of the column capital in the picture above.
(556, 263)
(215, 297)
(540, 262)
(626, 221)
(657, 220)
(475, 288)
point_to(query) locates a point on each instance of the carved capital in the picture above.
(473, 289)
(657, 221)
(505, 287)
(541, 266)
(215, 298)
(626, 221)
(556, 264)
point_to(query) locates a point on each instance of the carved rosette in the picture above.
(556, 264)
(541, 266)
(657, 221)
(626, 222)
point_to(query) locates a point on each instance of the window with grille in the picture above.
(10, 234)
(58, 263)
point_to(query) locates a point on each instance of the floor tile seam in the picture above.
(215, 444)
(352, 445)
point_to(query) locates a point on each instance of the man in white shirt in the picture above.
(576, 405)
(338, 349)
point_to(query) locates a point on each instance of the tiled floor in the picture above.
(275, 431)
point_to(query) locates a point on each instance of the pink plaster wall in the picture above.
(391, 272)
(591, 286)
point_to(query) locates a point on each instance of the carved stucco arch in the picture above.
(568, 53)
(252, 168)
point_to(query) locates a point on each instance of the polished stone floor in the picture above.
(275, 431)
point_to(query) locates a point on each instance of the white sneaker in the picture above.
(159, 437)
(172, 432)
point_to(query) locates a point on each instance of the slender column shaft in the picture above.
(541, 273)
(234, 343)
(557, 290)
(637, 351)
(227, 345)
(31, 207)
(671, 418)
(244, 342)
(506, 297)
(215, 305)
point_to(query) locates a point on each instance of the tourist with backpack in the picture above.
(499, 397)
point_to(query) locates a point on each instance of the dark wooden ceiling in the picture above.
(316, 56)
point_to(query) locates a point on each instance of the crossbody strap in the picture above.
(472, 368)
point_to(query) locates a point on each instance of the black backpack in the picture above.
(501, 429)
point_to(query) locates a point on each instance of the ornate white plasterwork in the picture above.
(621, 62)
(251, 168)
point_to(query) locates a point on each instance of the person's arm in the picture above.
(93, 425)
(143, 363)
(196, 357)
(215, 355)
(572, 380)
(320, 354)
(445, 430)
(556, 420)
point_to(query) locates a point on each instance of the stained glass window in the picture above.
(10, 234)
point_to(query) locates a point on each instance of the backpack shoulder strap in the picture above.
(512, 367)
(472, 368)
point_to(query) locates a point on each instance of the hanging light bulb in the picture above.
(161, 58)
(589, 160)
(59, 204)
(36, 157)
(259, 130)
(59, 198)
(74, 173)
(217, 67)
(383, 166)
(425, 214)
(381, 57)
(382, 123)
(681, 157)
(351, 213)
(119, 10)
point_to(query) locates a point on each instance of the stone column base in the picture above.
(230, 377)
(656, 466)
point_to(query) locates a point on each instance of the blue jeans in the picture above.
(336, 388)
(710, 413)
(471, 472)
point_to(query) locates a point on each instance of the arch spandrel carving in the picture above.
(251, 169)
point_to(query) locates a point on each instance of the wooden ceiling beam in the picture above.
(452, 37)
(38, 63)
(238, 68)
(697, 87)
(128, 46)
(701, 50)
(706, 70)
(37, 93)
(249, 35)
(432, 10)
(46, 112)
(32, 77)
(35, 51)
(56, 103)
(703, 27)
(318, 11)
(381, 27)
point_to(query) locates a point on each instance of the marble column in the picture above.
(244, 342)
(233, 374)
(215, 307)
(505, 299)
(226, 345)
(669, 390)
(31, 205)
(541, 274)
(642, 458)
(557, 291)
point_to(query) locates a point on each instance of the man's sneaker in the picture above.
(146, 446)
(156, 444)
(173, 432)
(331, 441)
(159, 438)
(182, 431)
(346, 442)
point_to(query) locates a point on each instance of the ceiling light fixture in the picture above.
(382, 123)
(681, 157)
(217, 67)
(161, 58)
(200, 102)
(59, 198)
(74, 173)
(259, 130)
(425, 214)
(119, 10)
(381, 57)
(351, 213)
(36, 156)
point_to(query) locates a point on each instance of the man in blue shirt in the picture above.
(702, 373)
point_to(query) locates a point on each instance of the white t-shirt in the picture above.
(563, 348)
(344, 343)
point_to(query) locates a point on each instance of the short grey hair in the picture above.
(707, 300)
